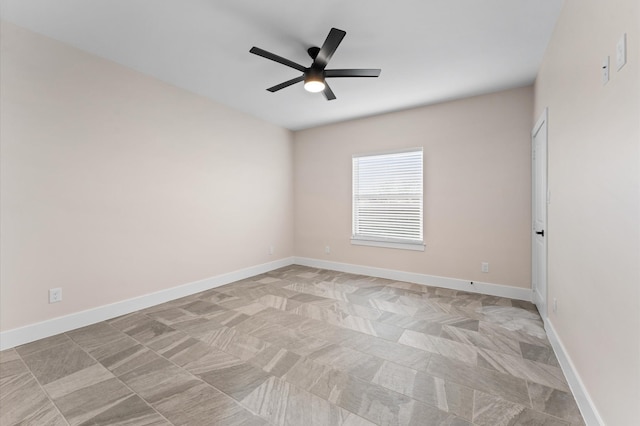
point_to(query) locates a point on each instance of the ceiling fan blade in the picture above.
(286, 84)
(352, 73)
(328, 48)
(328, 93)
(276, 58)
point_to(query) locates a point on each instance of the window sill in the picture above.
(389, 244)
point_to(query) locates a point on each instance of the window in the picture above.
(387, 200)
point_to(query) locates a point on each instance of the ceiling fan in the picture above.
(315, 75)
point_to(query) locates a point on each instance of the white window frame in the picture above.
(393, 241)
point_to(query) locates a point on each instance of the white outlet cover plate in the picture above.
(55, 295)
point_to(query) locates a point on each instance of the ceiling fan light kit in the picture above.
(314, 86)
(315, 75)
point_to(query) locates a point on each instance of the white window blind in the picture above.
(387, 199)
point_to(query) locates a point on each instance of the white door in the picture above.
(540, 200)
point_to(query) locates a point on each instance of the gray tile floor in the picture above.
(297, 346)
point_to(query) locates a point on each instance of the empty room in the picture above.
(234, 212)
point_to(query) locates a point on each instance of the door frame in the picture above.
(539, 300)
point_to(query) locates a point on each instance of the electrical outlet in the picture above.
(55, 295)
(484, 267)
(271, 250)
(555, 305)
(327, 250)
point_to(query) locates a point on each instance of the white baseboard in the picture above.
(33, 332)
(587, 407)
(412, 277)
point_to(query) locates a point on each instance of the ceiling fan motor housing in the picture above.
(313, 74)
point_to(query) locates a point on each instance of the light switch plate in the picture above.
(621, 52)
(605, 71)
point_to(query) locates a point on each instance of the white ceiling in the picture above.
(429, 50)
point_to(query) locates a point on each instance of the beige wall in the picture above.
(477, 187)
(116, 185)
(594, 215)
